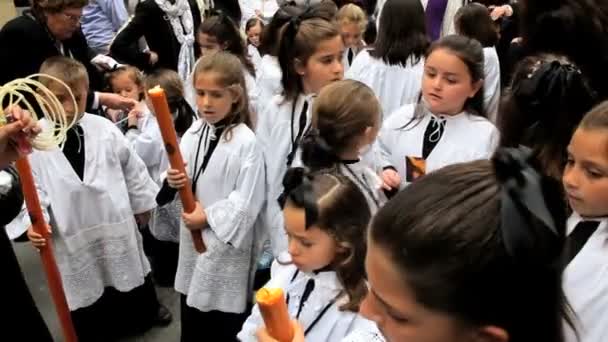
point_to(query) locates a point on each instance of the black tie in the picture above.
(432, 135)
(579, 236)
(295, 142)
(310, 285)
(351, 54)
(73, 149)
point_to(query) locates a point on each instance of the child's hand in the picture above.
(143, 218)
(153, 58)
(390, 179)
(176, 179)
(37, 239)
(134, 116)
(195, 220)
(298, 333)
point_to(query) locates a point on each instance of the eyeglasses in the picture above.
(72, 18)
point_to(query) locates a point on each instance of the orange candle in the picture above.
(53, 277)
(165, 122)
(274, 312)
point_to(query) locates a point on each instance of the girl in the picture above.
(586, 184)
(447, 125)
(393, 67)
(219, 32)
(128, 82)
(474, 21)
(310, 54)
(546, 101)
(226, 170)
(345, 121)
(353, 23)
(253, 29)
(326, 217)
(469, 253)
(261, 9)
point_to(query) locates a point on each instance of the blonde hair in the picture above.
(352, 14)
(68, 70)
(229, 69)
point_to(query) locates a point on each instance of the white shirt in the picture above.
(147, 141)
(267, 8)
(254, 56)
(491, 83)
(95, 237)
(585, 284)
(333, 325)
(393, 85)
(231, 190)
(268, 78)
(465, 138)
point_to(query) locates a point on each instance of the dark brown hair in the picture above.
(227, 34)
(343, 213)
(132, 72)
(172, 84)
(446, 235)
(473, 20)
(253, 22)
(341, 113)
(269, 39)
(229, 71)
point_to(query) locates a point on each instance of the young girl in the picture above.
(324, 282)
(353, 23)
(127, 81)
(474, 21)
(219, 32)
(447, 125)
(310, 55)
(469, 253)
(586, 183)
(253, 29)
(345, 122)
(226, 170)
(546, 101)
(393, 67)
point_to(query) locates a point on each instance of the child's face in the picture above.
(214, 101)
(79, 91)
(124, 85)
(447, 83)
(253, 34)
(392, 304)
(310, 249)
(323, 67)
(208, 43)
(586, 174)
(351, 34)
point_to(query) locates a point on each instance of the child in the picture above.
(127, 81)
(474, 21)
(310, 55)
(469, 253)
(586, 183)
(93, 192)
(393, 67)
(226, 169)
(345, 122)
(353, 22)
(447, 125)
(546, 101)
(219, 32)
(326, 218)
(253, 29)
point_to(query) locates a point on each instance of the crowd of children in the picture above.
(384, 185)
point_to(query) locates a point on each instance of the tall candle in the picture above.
(274, 312)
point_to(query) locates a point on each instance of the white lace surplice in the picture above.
(95, 237)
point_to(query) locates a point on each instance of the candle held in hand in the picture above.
(274, 311)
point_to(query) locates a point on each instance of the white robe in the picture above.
(334, 325)
(465, 138)
(356, 50)
(491, 83)
(231, 190)
(393, 85)
(95, 237)
(254, 56)
(586, 285)
(274, 132)
(268, 78)
(267, 9)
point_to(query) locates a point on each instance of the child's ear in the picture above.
(343, 248)
(299, 66)
(476, 87)
(491, 333)
(224, 46)
(236, 92)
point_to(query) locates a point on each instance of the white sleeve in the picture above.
(248, 11)
(383, 148)
(140, 186)
(147, 145)
(232, 218)
(491, 84)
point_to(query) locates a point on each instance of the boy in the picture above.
(92, 193)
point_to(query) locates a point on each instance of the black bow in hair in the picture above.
(297, 186)
(526, 223)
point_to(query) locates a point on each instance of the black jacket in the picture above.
(151, 23)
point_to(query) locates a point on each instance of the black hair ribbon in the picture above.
(297, 186)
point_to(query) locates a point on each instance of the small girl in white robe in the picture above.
(226, 169)
(353, 23)
(447, 125)
(323, 278)
(92, 192)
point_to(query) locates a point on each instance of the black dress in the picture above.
(24, 319)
